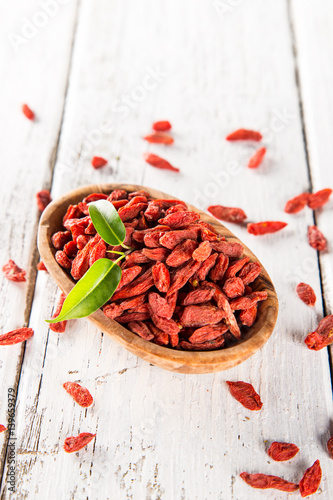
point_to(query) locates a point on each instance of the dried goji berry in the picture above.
(234, 268)
(168, 326)
(281, 452)
(113, 310)
(159, 254)
(322, 336)
(134, 303)
(181, 253)
(158, 162)
(330, 447)
(316, 239)
(41, 266)
(245, 394)
(202, 252)
(63, 260)
(247, 301)
(311, 480)
(43, 198)
(73, 212)
(306, 293)
(319, 199)
(175, 208)
(76, 443)
(260, 228)
(71, 249)
(233, 287)
(204, 346)
(140, 329)
(159, 138)
(80, 394)
(80, 264)
(117, 194)
(207, 266)
(182, 275)
(16, 336)
(160, 305)
(96, 196)
(223, 303)
(81, 241)
(250, 272)
(128, 275)
(129, 211)
(233, 250)
(161, 277)
(244, 135)
(2, 428)
(98, 252)
(61, 326)
(203, 315)
(228, 214)
(248, 316)
(136, 257)
(139, 286)
(265, 481)
(179, 219)
(98, 162)
(129, 316)
(138, 193)
(296, 204)
(218, 271)
(60, 239)
(199, 295)
(172, 238)
(207, 333)
(161, 126)
(28, 113)
(153, 211)
(257, 158)
(13, 272)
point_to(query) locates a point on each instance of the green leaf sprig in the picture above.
(102, 279)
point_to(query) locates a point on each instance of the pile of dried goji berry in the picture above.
(183, 285)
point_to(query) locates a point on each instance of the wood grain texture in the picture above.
(178, 361)
(163, 435)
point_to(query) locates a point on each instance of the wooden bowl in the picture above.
(169, 359)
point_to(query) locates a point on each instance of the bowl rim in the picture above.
(208, 361)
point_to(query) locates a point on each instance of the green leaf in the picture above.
(107, 222)
(92, 291)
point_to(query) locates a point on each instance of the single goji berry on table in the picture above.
(228, 214)
(244, 135)
(330, 447)
(245, 394)
(161, 126)
(2, 428)
(280, 452)
(43, 198)
(257, 158)
(265, 481)
(41, 266)
(259, 228)
(159, 138)
(13, 272)
(80, 394)
(297, 203)
(16, 336)
(76, 443)
(316, 239)
(59, 327)
(310, 482)
(317, 200)
(158, 162)
(98, 162)
(322, 336)
(28, 113)
(306, 293)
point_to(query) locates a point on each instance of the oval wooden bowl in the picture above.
(169, 359)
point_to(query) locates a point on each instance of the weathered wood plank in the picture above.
(163, 435)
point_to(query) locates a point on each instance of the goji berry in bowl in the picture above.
(219, 304)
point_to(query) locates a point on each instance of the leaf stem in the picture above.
(126, 247)
(119, 258)
(119, 253)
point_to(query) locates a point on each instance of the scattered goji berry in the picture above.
(280, 452)
(80, 394)
(28, 113)
(43, 199)
(265, 481)
(330, 447)
(158, 162)
(245, 394)
(228, 214)
(98, 162)
(317, 200)
(244, 135)
(16, 336)
(76, 443)
(297, 203)
(159, 138)
(13, 272)
(259, 228)
(2, 428)
(257, 158)
(316, 239)
(41, 266)
(161, 126)
(306, 293)
(322, 336)
(310, 482)
(61, 326)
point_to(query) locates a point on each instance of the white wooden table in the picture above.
(97, 74)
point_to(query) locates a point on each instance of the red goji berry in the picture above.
(41, 266)
(179, 219)
(233, 250)
(316, 239)
(98, 162)
(248, 316)
(281, 452)
(228, 214)
(257, 158)
(202, 315)
(160, 305)
(76, 443)
(218, 271)
(60, 239)
(170, 239)
(223, 303)
(245, 394)
(207, 266)
(139, 286)
(330, 447)
(250, 272)
(43, 199)
(322, 336)
(158, 162)
(140, 329)
(265, 481)
(317, 200)
(234, 268)
(159, 254)
(63, 260)
(207, 333)
(128, 275)
(181, 253)
(61, 326)
(306, 293)
(260, 228)
(247, 301)
(161, 126)
(2, 428)
(244, 135)
(80, 394)
(297, 203)
(161, 277)
(310, 482)
(168, 326)
(210, 345)
(159, 138)
(28, 113)
(199, 295)
(233, 287)
(16, 336)
(13, 272)
(97, 196)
